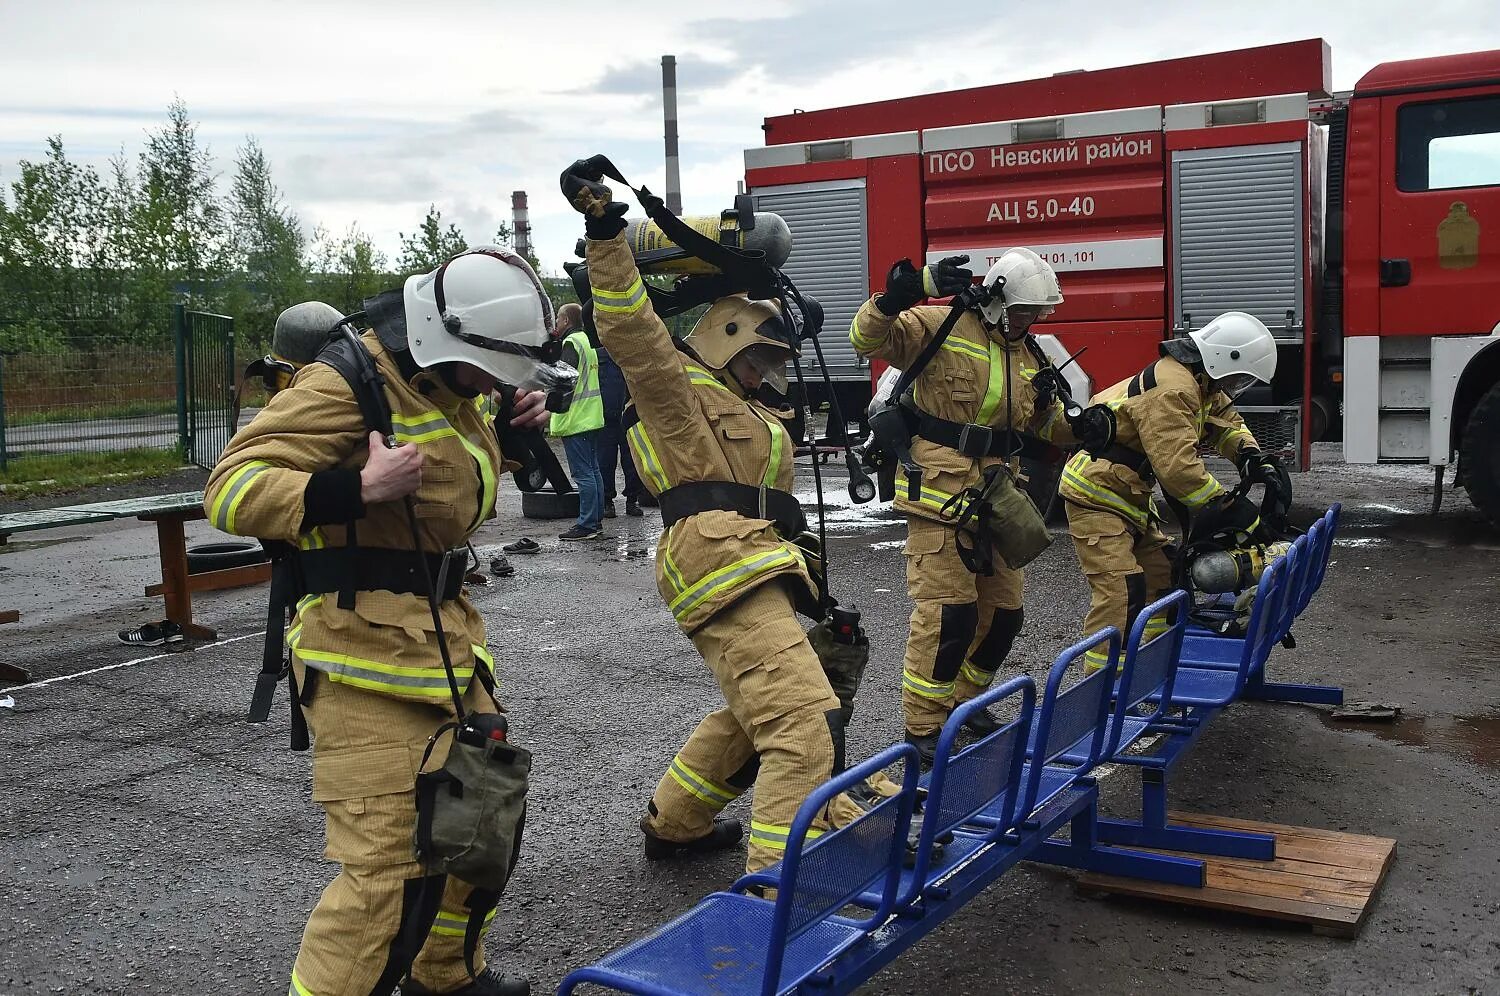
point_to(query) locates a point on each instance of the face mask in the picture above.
(770, 366)
(1235, 385)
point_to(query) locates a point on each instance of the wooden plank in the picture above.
(1323, 878)
(176, 588)
(49, 518)
(12, 672)
(183, 503)
(9, 616)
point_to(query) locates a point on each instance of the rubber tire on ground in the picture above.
(1479, 455)
(220, 556)
(549, 504)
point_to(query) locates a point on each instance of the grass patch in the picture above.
(88, 413)
(31, 477)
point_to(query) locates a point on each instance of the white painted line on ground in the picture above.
(138, 660)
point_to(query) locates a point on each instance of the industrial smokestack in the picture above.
(520, 223)
(669, 114)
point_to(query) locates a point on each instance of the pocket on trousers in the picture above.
(774, 671)
(369, 798)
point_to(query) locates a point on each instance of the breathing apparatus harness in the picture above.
(471, 811)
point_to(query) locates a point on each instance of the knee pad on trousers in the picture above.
(1135, 599)
(1005, 626)
(835, 719)
(744, 777)
(954, 636)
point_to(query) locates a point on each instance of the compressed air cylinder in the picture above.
(1234, 570)
(770, 235)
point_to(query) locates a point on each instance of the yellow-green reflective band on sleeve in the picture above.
(773, 836)
(645, 456)
(863, 343)
(297, 988)
(457, 925)
(629, 300)
(706, 790)
(233, 492)
(1202, 494)
(698, 375)
(1075, 480)
(976, 676)
(928, 689)
(733, 576)
(420, 428)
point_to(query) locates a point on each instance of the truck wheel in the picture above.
(1479, 454)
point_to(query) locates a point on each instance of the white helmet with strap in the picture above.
(1236, 350)
(1028, 280)
(484, 307)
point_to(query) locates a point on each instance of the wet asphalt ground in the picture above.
(153, 842)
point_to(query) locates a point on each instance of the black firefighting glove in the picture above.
(1226, 520)
(582, 185)
(1094, 428)
(1259, 468)
(1049, 386)
(906, 285)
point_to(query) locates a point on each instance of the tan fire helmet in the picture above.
(735, 324)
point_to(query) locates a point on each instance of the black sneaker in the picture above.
(649, 500)
(633, 508)
(486, 983)
(726, 833)
(926, 745)
(501, 566)
(609, 510)
(982, 723)
(152, 634)
(581, 533)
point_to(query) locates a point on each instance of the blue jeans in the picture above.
(583, 463)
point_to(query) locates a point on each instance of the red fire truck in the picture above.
(1352, 224)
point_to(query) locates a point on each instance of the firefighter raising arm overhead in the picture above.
(726, 567)
(974, 403)
(1164, 414)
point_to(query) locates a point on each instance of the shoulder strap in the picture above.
(910, 374)
(348, 355)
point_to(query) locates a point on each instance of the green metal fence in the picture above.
(205, 384)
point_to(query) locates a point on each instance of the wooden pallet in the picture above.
(1322, 878)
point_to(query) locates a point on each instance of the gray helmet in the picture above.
(302, 330)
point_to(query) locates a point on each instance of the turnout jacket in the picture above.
(965, 382)
(1165, 414)
(686, 425)
(386, 642)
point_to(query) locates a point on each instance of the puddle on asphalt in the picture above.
(1475, 739)
(1359, 541)
(1443, 532)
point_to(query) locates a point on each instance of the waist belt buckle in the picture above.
(974, 440)
(452, 559)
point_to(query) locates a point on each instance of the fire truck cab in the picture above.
(1167, 193)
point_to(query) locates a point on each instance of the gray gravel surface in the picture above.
(153, 842)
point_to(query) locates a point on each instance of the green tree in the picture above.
(348, 269)
(431, 245)
(269, 248)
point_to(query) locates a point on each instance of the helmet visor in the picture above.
(1237, 384)
(769, 364)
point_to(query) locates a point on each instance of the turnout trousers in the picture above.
(1127, 569)
(962, 625)
(366, 752)
(780, 731)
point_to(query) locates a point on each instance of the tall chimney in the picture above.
(520, 223)
(669, 113)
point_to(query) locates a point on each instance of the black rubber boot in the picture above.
(981, 723)
(726, 833)
(486, 983)
(926, 745)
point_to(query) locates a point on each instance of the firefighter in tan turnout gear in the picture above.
(308, 471)
(726, 565)
(978, 399)
(1164, 414)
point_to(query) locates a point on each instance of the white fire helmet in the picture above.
(484, 307)
(1237, 350)
(1028, 280)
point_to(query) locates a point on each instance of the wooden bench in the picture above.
(169, 512)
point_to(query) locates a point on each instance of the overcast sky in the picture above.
(370, 110)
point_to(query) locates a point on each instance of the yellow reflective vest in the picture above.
(586, 412)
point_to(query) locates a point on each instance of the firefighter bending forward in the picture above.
(728, 577)
(308, 471)
(963, 624)
(1183, 401)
